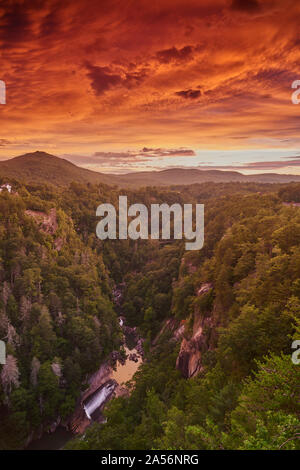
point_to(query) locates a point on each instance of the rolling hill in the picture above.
(41, 167)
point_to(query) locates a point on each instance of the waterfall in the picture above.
(97, 399)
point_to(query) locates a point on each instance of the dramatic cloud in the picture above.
(116, 159)
(189, 94)
(168, 152)
(245, 5)
(4, 142)
(174, 54)
(102, 79)
(15, 25)
(110, 76)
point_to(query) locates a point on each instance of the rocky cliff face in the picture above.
(172, 325)
(189, 360)
(47, 222)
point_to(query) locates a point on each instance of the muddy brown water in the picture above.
(58, 439)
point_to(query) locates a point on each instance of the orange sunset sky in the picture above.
(132, 85)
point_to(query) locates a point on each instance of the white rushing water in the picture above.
(98, 399)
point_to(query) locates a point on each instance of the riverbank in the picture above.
(108, 382)
(52, 441)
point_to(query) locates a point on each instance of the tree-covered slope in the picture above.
(56, 316)
(218, 323)
(245, 392)
(41, 167)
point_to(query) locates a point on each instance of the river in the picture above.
(52, 441)
(125, 372)
(92, 406)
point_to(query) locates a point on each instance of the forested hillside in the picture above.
(55, 314)
(217, 324)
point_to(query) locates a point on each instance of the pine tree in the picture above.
(35, 367)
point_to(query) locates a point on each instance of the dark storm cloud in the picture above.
(104, 78)
(275, 76)
(189, 94)
(245, 5)
(51, 24)
(134, 78)
(15, 25)
(173, 54)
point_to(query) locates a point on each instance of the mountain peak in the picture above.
(42, 167)
(37, 153)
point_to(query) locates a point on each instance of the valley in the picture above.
(212, 323)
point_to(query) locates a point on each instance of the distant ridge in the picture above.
(178, 176)
(41, 167)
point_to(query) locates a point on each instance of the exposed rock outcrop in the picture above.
(172, 325)
(47, 222)
(204, 288)
(189, 360)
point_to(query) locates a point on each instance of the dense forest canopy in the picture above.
(217, 324)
